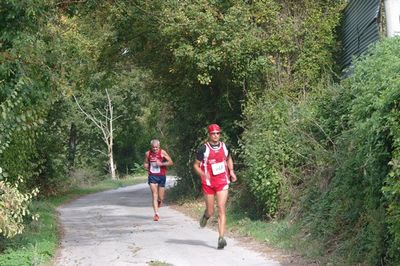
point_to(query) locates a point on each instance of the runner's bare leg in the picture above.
(154, 194)
(161, 193)
(209, 200)
(222, 197)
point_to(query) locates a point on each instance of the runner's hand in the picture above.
(233, 175)
(206, 176)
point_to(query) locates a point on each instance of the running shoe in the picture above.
(221, 242)
(159, 203)
(203, 220)
(156, 217)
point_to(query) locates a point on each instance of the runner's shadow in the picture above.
(189, 242)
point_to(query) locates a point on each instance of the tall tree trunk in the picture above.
(112, 165)
(111, 137)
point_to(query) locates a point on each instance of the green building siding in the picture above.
(360, 28)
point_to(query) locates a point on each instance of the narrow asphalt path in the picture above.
(115, 227)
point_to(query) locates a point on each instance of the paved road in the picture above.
(116, 228)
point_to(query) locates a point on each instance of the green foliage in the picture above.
(374, 118)
(356, 215)
(24, 88)
(128, 128)
(334, 152)
(391, 192)
(48, 52)
(32, 109)
(326, 154)
(277, 147)
(132, 136)
(262, 153)
(13, 208)
(51, 158)
(187, 97)
(209, 55)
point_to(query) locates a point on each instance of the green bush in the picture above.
(278, 149)
(332, 159)
(13, 208)
(357, 216)
(263, 153)
(374, 117)
(283, 151)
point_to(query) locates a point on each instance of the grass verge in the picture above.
(39, 241)
(277, 239)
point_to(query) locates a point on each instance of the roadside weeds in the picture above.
(195, 209)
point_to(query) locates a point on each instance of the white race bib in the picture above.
(218, 168)
(154, 168)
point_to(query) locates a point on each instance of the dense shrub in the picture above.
(358, 215)
(331, 158)
(374, 117)
(277, 144)
(285, 151)
(263, 153)
(13, 208)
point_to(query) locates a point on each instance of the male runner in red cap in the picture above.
(214, 165)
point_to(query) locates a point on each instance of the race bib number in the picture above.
(154, 168)
(218, 168)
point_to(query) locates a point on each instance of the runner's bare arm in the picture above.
(146, 162)
(198, 171)
(232, 174)
(168, 161)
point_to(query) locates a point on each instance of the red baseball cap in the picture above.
(213, 128)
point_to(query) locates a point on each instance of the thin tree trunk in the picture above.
(107, 130)
(111, 138)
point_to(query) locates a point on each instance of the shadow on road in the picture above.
(189, 242)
